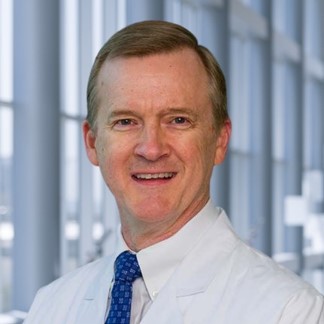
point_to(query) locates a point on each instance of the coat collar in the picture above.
(208, 262)
(209, 259)
(160, 261)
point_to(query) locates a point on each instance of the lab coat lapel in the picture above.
(194, 277)
(209, 260)
(94, 304)
(168, 305)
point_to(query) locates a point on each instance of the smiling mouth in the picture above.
(154, 176)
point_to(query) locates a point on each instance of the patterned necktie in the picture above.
(126, 271)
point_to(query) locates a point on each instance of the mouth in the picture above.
(154, 176)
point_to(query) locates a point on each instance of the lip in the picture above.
(153, 177)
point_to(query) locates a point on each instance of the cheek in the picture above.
(197, 155)
(101, 150)
(112, 156)
(203, 146)
(104, 151)
(205, 155)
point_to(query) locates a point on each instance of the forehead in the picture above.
(175, 78)
(183, 63)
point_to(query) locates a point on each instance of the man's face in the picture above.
(155, 140)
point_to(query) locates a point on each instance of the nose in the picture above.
(152, 143)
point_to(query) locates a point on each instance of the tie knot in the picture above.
(127, 267)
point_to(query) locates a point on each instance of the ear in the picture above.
(89, 138)
(222, 142)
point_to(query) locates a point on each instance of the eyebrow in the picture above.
(167, 111)
(122, 112)
(180, 110)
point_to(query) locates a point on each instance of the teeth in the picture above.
(148, 176)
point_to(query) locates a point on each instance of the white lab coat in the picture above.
(221, 281)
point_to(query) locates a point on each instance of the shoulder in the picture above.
(277, 287)
(83, 274)
(254, 264)
(305, 306)
(268, 273)
(254, 284)
(65, 294)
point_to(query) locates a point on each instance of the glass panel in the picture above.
(6, 133)
(286, 150)
(70, 63)
(278, 133)
(313, 151)
(99, 195)
(278, 195)
(173, 10)
(70, 193)
(278, 149)
(6, 151)
(6, 227)
(121, 14)
(292, 21)
(287, 18)
(97, 30)
(71, 165)
(6, 56)
(259, 6)
(244, 115)
(98, 192)
(240, 113)
(314, 28)
(240, 205)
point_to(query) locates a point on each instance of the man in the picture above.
(157, 124)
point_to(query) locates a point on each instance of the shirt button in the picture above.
(154, 293)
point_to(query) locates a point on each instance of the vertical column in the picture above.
(296, 97)
(294, 242)
(263, 203)
(36, 147)
(261, 168)
(86, 184)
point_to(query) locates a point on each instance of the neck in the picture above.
(138, 238)
(140, 234)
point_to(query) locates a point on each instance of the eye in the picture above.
(180, 120)
(124, 122)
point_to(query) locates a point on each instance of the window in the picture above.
(88, 212)
(6, 150)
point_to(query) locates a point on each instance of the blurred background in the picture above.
(55, 212)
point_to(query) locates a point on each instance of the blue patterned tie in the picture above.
(126, 271)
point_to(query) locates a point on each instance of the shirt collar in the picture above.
(160, 260)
